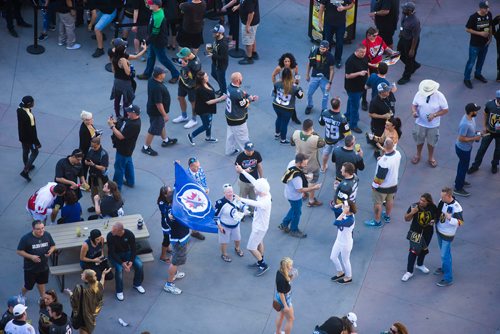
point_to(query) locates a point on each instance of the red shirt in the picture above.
(375, 50)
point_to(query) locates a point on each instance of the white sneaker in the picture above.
(406, 276)
(119, 296)
(179, 275)
(423, 269)
(75, 46)
(180, 119)
(172, 289)
(190, 124)
(61, 43)
(140, 289)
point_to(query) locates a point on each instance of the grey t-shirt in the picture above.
(467, 128)
(291, 192)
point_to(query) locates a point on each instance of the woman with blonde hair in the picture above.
(283, 295)
(92, 294)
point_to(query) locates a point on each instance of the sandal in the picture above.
(415, 160)
(225, 258)
(239, 252)
(167, 260)
(433, 163)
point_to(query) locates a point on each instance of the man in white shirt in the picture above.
(18, 325)
(41, 202)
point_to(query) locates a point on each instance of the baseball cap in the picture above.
(13, 301)
(484, 4)
(133, 109)
(470, 107)
(184, 52)
(227, 186)
(324, 44)
(28, 100)
(157, 2)
(219, 28)
(118, 41)
(383, 87)
(19, 309)
(353, 318)
(408, 5)
(77, 153)
(498, 94)
(158, 70)
(249, 146)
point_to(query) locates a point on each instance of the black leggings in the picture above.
(412, 257)
(166, 240)
(28, 158)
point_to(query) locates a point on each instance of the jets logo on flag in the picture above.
(193, 200)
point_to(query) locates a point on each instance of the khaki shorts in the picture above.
(256, 238)
(379, 198)
(248, 38)
(422, 134)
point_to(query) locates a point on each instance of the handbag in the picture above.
(417, 242)
(77, 317)
(277, 306)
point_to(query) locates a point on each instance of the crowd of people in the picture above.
(178, 25)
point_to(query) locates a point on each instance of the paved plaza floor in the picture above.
(226, 298)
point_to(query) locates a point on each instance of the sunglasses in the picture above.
(227, 185)
(393, 331)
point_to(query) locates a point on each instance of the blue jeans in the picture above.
(45, 16)
(352, 112)
(339, 32)
(292, 218)
(206, 125)
(160, 53)
(220, 76)
(475, 53)
(124, 166)
(282, 120)
(463, 165)
(446, 260)
(314, 83)
(138, 270)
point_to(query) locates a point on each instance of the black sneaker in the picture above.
(149, 151)
(467, 184)
(284, 228)
(444, 283)
(255, 56)
(438, 271)
(461, 192)
(91, 209)
(468, 84)
(357, 130)
(32, 167)
(262, 270)
(277, 136)
(308, 110)
(25, 175)
(494, 169)
(480, 78)
(298, 234)
(344, 281)
(211, 140)
(190, 138)
(169, 142)
(284, 142)
(403, 81)
(98, 52)
(417, 66)
(43, 37)
(338, 65)
(126, 184)
(364, 105)
(472, 169)
(336, 278)
(13, 33)
(246, 61)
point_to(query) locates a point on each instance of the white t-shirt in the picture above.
(12, 328)
(291, 187)
(437, 102)
(344, 236)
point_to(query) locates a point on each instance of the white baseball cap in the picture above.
(19, 309)
(353, 318)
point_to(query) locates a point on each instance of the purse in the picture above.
(417, 242)
(277, 306)
(77, 318)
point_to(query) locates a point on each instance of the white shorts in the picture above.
(255, 239)
(39, 216)
(248, 38)
(232, 234)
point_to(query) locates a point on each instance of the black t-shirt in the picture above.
(479, 23)
(6, 317)
(496, 28)
(389, 21)
(321, 63)
(117, 244)
(60, 6)
(109, 206)
(333, 325)
(68, 171)
(188, 72)
(144, 13)
(130, 129)
(352, 65)
(492, 115)
(100, 158)
(36, 246)
(247, 161)
(108, 6)
(282, 285)
(332, 15)
(192, 22)
(247, 7)
(379, 106)
(157, 93)
(422, 219)
(202, 96)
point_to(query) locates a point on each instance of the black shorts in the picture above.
(187, 40)
(30, 278)
(156, 125)
(183, 90)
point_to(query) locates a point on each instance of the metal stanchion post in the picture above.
(237, 52)
(108, 66)
(35, 49)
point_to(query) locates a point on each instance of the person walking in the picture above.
(220, 58)
(409, 39)
(450, 218)
(480, 28)
(345, 222)
(26, 127)
(319, 73)
(428, 105)
(356, 73)
(385, 14)
(284, 276)
(205, 106)
(423, 215)
(491, 132)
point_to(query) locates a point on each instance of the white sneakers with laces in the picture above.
(406, 276)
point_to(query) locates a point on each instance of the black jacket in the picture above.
(220, 54)
(27, 133)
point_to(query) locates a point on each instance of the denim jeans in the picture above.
(339, 32)
(160, 53)
(475, 53)
(206, 125)
(446, 260)
(45, 16)
(138, 270)
(485, 143)
(314, 83)
(282, 120)
(463, 165)
(220, 76)
(352, 112)
(292, 218)
(124, 166)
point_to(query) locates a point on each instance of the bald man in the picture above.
(385, 183)
(237, 105)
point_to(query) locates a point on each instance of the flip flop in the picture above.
(433, 163)
(225, 258)
(415, 160)
(239, 252)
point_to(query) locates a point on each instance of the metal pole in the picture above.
(35, 49)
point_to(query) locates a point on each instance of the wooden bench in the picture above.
(73, 268)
